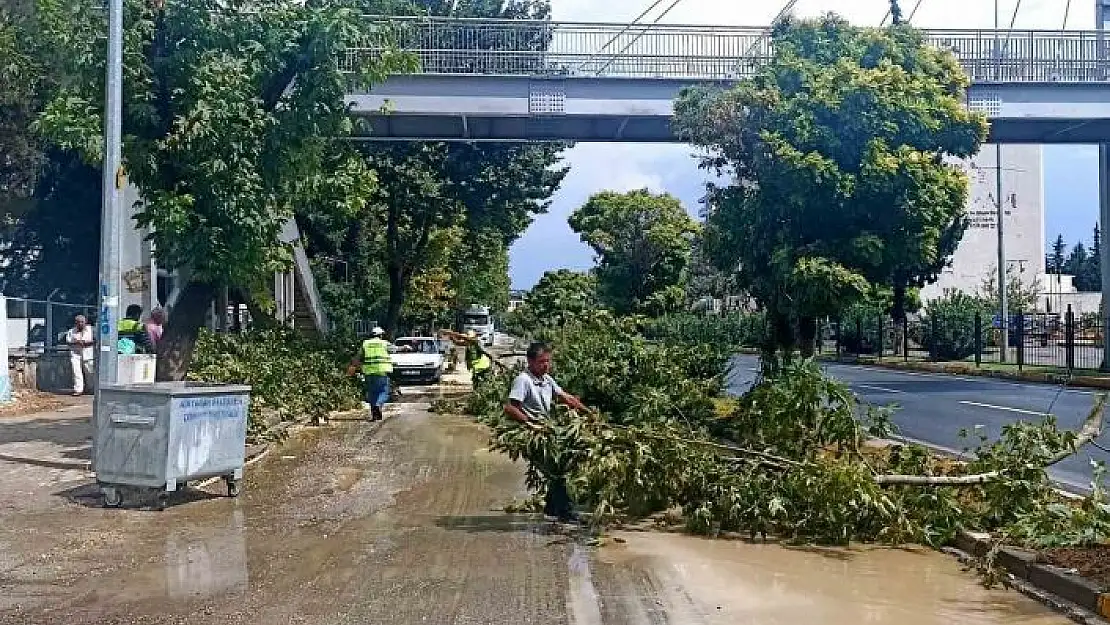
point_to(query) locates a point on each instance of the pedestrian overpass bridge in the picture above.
(513, 80)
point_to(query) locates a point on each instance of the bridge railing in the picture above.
(515, 47)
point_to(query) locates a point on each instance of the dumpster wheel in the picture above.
(234, 486)
(113, 498)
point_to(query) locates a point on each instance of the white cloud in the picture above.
(595, 167)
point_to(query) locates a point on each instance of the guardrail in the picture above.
(515, 47)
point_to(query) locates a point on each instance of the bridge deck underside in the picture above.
(615, 129)
(523, 108)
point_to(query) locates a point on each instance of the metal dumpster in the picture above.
(161, 436)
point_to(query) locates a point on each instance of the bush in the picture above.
(789, 460)
(734, 330)
(290, 376)
(613, 367)
(948, 326)
(860, 330)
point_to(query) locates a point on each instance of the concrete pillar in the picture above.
(1104, 257)
(5, 377)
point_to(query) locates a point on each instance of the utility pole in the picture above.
(1003, 307)
(1003, 312)
(111, 210)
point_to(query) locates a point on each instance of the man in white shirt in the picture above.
(530, 401)
(81, 342)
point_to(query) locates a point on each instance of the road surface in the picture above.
(933, 408)
(399, 524)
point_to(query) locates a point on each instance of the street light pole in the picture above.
(111, 209)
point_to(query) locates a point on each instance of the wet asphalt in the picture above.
(934, 408)
(357, 524)
(402, 523)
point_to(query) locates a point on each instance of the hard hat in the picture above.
(377, 331)
(471, 334)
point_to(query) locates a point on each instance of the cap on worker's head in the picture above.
(377, 331)
(471, 334)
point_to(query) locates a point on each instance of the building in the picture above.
(1058, 295)
(976, 258)
(516, 299)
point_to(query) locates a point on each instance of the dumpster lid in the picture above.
(181, 388)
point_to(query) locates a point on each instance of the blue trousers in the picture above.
(377, 390)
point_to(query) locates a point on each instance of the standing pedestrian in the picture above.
(80, 340)
(477, 361)
(530, 402)
(376, 367)
(133, 337)
(154, 328)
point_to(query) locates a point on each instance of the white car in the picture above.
(417, 359)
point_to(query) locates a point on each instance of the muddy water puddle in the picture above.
(684, 580)
(398, 524)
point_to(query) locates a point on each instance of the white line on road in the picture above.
(1006, 408)
(879, 388)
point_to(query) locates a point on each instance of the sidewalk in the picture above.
(43, 453)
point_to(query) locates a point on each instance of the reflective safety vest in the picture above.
(129, 326)
(375, 357)
(476, 360)
(130, 334)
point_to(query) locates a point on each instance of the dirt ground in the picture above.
(26, 401)
(399, 523)
(1091, 562)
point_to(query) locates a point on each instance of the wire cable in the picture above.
(786, 8)
(638, 36)
(1013, 18)
(630, 25)
(1067, 11)
(914, 11)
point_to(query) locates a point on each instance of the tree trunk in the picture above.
(807, 333)
(397, 284)
(898, 312)
(175, 350)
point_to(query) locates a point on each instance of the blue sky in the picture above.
(1070, 180)
(1071, 192)
(1070, 172)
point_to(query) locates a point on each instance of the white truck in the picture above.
(479, 319)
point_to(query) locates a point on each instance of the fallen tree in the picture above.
(790, 460)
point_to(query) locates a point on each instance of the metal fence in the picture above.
(1041, 340)
(513, 47)
(38, 325)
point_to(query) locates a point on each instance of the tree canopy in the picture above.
(233, 117)
(559, 298)
(642, 242)
(486, 194)
(839, 155)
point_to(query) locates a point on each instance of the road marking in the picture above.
(879, 388)
(963, 378)
(1006, 408)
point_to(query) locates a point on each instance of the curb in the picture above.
(1082, 381)
(1080, 599)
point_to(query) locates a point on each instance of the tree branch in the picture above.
(1091, 430)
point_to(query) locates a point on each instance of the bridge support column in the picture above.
(1104, 256)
